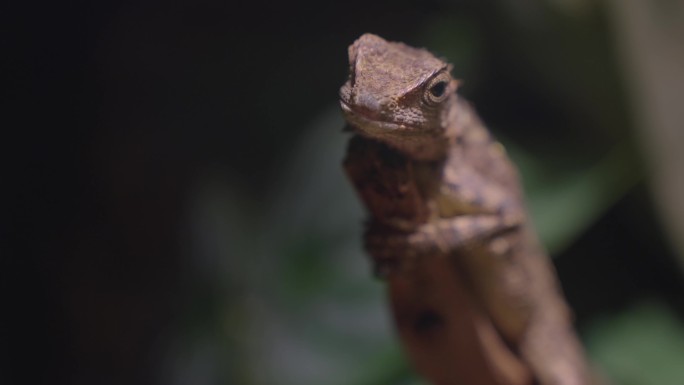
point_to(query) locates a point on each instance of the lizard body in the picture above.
(448, 227)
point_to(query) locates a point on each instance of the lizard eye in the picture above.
(436, 90)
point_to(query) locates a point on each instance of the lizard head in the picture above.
(398, 95)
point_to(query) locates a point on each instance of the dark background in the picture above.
(173, 203)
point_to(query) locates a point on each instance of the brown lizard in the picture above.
(474, 296)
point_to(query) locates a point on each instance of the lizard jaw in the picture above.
(372, 127)
(419, 143)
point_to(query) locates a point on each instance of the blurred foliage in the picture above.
(642, 345)
(597, 188)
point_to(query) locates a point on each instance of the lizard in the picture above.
(474, 296)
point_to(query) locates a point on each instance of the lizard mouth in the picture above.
(365, 123)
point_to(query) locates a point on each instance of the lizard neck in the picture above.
(435, 148)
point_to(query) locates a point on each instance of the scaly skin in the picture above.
(442, 194)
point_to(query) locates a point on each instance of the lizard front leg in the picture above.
(394, 249)
(514, 281)
(500, 280)
(465, 208)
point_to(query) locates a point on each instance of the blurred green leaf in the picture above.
(565, 206)
(641, 346)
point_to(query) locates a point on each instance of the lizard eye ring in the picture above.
(436, 89)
